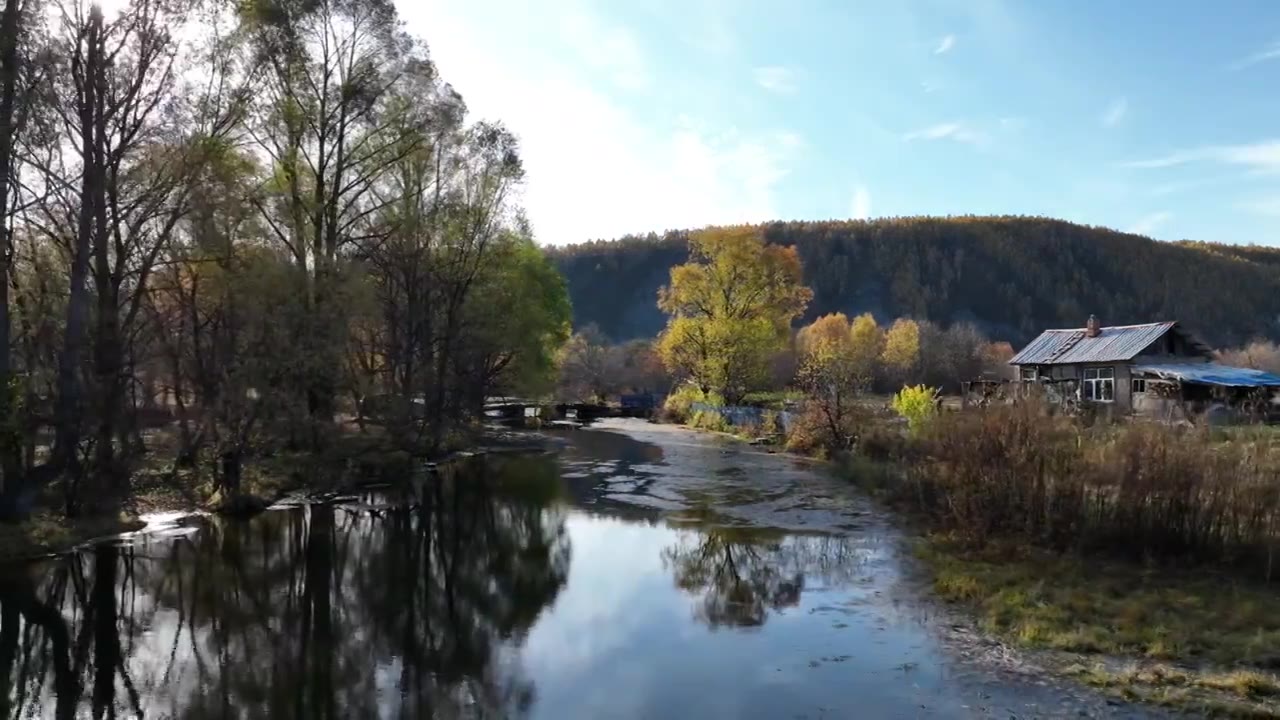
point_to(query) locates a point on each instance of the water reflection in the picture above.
(461, 601)
(322, 612)
(742, 574)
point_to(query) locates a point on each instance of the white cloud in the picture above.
(790, 140)
(860, 209)
(945, 45)
(1262, 156)
(1271, 52)
(1115, 112)
(610, 49)
(947, 131)
(1148, 224)
(776, 79)
(593, 168)
(1269, 206)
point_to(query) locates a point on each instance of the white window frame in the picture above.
(1138, 385)
(1028, 374)
(1098, 384)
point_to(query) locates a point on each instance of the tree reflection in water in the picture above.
(323, 612)
(742, 574)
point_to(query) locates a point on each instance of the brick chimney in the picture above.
(1093, 328)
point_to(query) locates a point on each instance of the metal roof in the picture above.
(1210, 374)
(1113, 344)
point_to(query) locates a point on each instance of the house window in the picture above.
(1028, 374)
(1099, 384)
(1139, 385)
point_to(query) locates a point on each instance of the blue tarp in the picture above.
(1210, 374)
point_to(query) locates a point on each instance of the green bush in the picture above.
(770, 424)
(918, 404)
(709, 421)
(678, 405)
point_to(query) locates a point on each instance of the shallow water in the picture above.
(638, 573)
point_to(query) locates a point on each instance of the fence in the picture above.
(740, 415)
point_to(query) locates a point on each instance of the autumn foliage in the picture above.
(730, 307)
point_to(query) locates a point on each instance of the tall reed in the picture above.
(1140, 490)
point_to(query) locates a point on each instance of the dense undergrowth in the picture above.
(1149, 546)
(1137, 491)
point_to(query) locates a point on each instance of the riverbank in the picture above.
(1095, 548)
(352, 462)
(1194, 640)
(1098, 549)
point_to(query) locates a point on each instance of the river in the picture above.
(638, 572)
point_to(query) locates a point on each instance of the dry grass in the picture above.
(1065, 602)
(1142, 542)
(1234, 694)
(1141, 491)
(1223, 632)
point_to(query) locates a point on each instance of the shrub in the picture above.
(712, 421)
(881, 443)
(916, 403)
(1148, 491)
(770, 424)
(678, 405)
(810, 433)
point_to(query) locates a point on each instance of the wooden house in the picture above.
(1143, 368)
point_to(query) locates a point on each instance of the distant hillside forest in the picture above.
(1010, 276)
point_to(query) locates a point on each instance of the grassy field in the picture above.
(1194, 639)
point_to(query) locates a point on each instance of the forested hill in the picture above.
(1012, 276)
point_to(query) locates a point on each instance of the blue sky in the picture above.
(1157, 117)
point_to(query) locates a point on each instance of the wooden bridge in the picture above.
(518, 409)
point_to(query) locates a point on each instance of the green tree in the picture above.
(518, 319)
(730, 307)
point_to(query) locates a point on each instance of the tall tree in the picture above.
(832, 372)
(333, 129)
(227, 213)
(730, 307)
(866, 346)
(901, 354)
(16, 96)
(140, 131)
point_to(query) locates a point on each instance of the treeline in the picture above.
(251, 216)
(1009, 276)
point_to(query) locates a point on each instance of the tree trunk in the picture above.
(108, 353)
(70, 401)
(10, 451)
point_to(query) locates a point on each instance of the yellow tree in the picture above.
(901, 351)
(730, 307)
(866, 344)
(831, 373)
